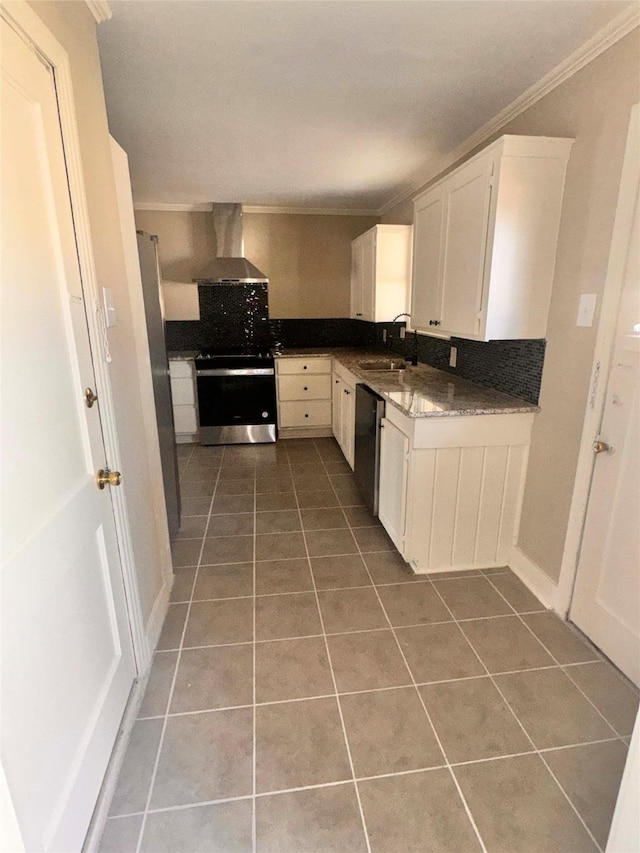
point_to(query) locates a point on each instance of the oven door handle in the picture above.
(237, 371)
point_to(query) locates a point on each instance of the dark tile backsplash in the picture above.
(238, 315)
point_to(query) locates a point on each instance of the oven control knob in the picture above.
(265, 414)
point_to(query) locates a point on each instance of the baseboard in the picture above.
(103, 804)
(305, 432)
(534, 578)
(158, 613)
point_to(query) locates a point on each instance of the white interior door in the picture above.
(67, 659)
(606, 599)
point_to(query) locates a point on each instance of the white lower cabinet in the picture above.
(304, 396)
(183, 396)
(451, 487)
(394, 472)
(343, 420)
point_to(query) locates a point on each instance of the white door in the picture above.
(606, 599)
(67, 659)
(467, 199)
(394, 469)
(369, 240)
(426, 293)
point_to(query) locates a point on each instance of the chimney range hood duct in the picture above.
(230, 266)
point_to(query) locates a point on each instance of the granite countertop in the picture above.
(421, 391)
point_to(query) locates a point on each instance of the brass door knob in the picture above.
(600, 447)
(105, 477)
(89, 397)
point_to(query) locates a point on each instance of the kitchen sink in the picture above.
(383, 364)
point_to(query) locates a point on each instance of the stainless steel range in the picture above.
(236, 397)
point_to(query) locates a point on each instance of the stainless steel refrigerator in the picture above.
(154, 312)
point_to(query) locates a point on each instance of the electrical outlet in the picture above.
(453, 356)
(384, 336)
(403, 332)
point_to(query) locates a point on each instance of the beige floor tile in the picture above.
(274, 485)
(590, 776)
(340, 571)
(171, 634)
(472, 720)
(323, 519)
(416, 813)
(233, 524)
(202, 489)
(320, 820)
(243, 486)
(325, 543)
(186, 552)
(564, 644)
(351, 610)
(283, 616)
(505, 644)
(237, 471)
(301, 470)
(389, 567)
(372, 539)
(388, 732)
(213, 622)
(310, 499)
(192, 527)
(349, 496)
(206, 756)
(413, 605)
(336, 466)
(224, 504)
(182, 584)
(516, 593)
(213, 678)
(299, 744)
(224, 581)
(367, 661)
(274, 576)
(280, 546)
(472, 598)
(359, 516)
(218, 828)
(195, 506)
(227, 549)
(552, 709)
(156, 694)
(121, 835)
(292, 669)
(134, 779)
(438, 652)
(278, 521)
(517, 805)
(319, 482)
(612, 695)
(271, 503)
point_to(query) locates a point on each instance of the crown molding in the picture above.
(312, 211)
(616, 29)
(100, 10)
(160, 206)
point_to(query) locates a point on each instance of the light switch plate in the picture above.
(586, 309)
(110, 318)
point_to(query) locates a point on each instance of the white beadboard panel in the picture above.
(185, 419)
(420, 502)
(489, 515)
(512, 499)
(468, 505)
(445, 492)
(183, 391)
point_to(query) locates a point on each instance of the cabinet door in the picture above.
(467, 202)
(336, 408)
(357, 256)
(368, 243)
(348, 423)
(394, 468)
(427, 260)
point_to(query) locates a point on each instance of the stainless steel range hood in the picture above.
(230, 266)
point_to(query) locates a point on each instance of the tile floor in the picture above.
(310, 694)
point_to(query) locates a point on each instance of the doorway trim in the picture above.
(622, 225)
(19, 15)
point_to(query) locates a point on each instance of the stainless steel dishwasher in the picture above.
(369, 414)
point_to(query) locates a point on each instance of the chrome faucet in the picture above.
(414, 357)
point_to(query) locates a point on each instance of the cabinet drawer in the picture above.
(301, 413)
(181, 369)
(297, 387)
(185, 420)
(182, 392)
(303, 365)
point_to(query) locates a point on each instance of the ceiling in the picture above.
(319, 104)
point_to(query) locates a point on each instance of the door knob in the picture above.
(601, 447)
(105, 477)
(89, 397)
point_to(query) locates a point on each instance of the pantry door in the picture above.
(606, 598)
(67, 662)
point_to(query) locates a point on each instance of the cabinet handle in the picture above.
(359, 315)
(305, 367)
(305, 388)
(336, 381)
(306, 416)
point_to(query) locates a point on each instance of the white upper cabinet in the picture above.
(380, 273)
(485, 242)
